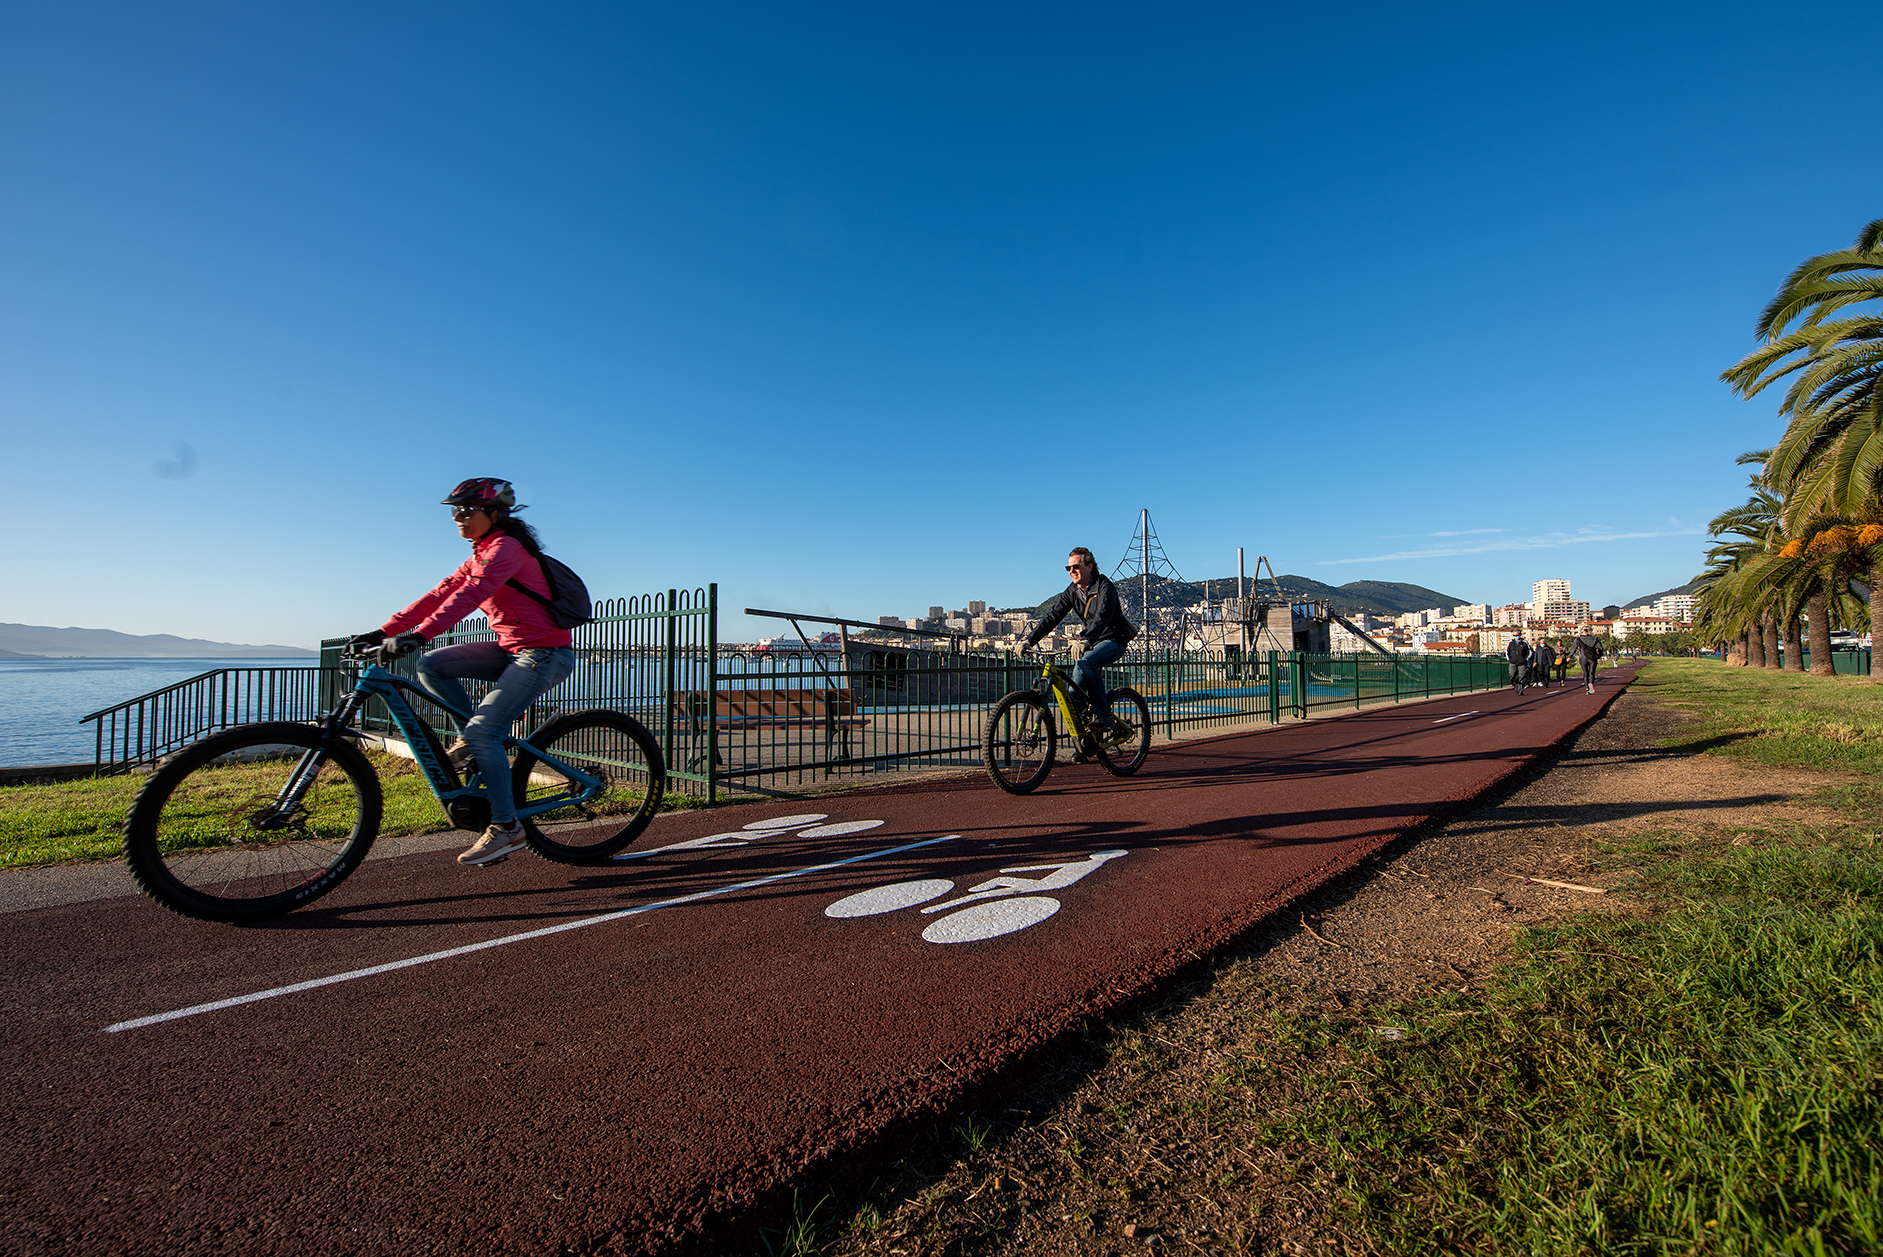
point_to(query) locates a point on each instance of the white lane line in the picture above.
(138, 1023)
(1460, 716)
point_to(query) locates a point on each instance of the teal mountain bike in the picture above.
(264, 818)
(1023, 732)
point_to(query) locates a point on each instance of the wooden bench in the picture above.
(835, 711)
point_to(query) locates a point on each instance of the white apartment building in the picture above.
(1476, 612)
(1549, 591)
(1656, 624)
(1561, 611)
(1678, 607)
(1511, 615)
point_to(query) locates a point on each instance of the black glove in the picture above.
(400, 646)
(365, 641)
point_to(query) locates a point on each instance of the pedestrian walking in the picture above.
(1542, 661)
(1588, 650)
(1518, 653)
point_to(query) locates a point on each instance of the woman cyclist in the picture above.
(530, 656)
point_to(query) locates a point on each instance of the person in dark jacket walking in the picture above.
(1542, 661)
(1107, 632)
(1518, 653)
(1588, 650)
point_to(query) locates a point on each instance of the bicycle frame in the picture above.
(376, 682)
(1063, 690)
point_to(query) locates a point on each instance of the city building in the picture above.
(1512, 615)
(1656, 624)
(1477, 612)
(977, 607)
(1549, 591)
(1678, 607)
(1560, 610)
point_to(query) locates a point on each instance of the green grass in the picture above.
(1786, 719)
(83, 820)
(1710, 1080)
(1706, 1076)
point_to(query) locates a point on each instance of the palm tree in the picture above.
(1829, 463)
(1832, 552)
(1741, 592)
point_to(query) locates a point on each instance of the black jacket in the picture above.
(1103, 614)
(1518, 651)
(1545, 656)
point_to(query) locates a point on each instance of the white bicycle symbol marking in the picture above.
(806, 825)
(1000, 905)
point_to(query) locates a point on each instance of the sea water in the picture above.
(43, 700)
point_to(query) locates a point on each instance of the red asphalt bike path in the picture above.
(537, 1058)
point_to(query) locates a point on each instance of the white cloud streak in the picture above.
(1548, 541)
(1462, 532)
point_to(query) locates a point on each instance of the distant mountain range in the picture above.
(1645, 599)
(1378, 596)
(40, 641)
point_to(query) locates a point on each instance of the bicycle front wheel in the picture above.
(1020, 742)
(607, 744)
(208, 838)
(1124, 750)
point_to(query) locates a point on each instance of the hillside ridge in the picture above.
(46, 641)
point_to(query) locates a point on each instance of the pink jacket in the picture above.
(519, 620)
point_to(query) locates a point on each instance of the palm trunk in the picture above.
(1755, 647)
(1818, 615)
(1794, 644)
(1771, 641)
(1876, 618)
(1736, 651)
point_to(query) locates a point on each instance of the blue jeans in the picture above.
(1086, 673)
(517, 681)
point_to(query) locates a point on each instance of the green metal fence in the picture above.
(791, 719)
(630, 657)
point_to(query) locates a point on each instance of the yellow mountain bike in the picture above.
(1023, 733)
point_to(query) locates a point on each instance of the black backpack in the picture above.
(568, 600)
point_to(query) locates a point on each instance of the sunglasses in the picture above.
(464, 512)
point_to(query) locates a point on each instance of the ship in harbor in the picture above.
(828, 644)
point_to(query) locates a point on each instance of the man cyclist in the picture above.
(1107, 632)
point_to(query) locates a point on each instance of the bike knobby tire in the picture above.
(1124, 752)
(605, 744)
(204, 838)
(1020, 742)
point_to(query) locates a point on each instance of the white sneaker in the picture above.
(497, 842)
(460, 756)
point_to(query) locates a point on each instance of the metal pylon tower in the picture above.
(1145, 559)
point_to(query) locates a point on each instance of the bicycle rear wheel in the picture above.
(1020, 742)
(206, 838)
(603, 743)
(1123, 752)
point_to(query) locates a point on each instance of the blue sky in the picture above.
(860, 308)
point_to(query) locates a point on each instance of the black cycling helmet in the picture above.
(485, 492)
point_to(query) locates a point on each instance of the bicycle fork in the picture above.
(280, 814)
